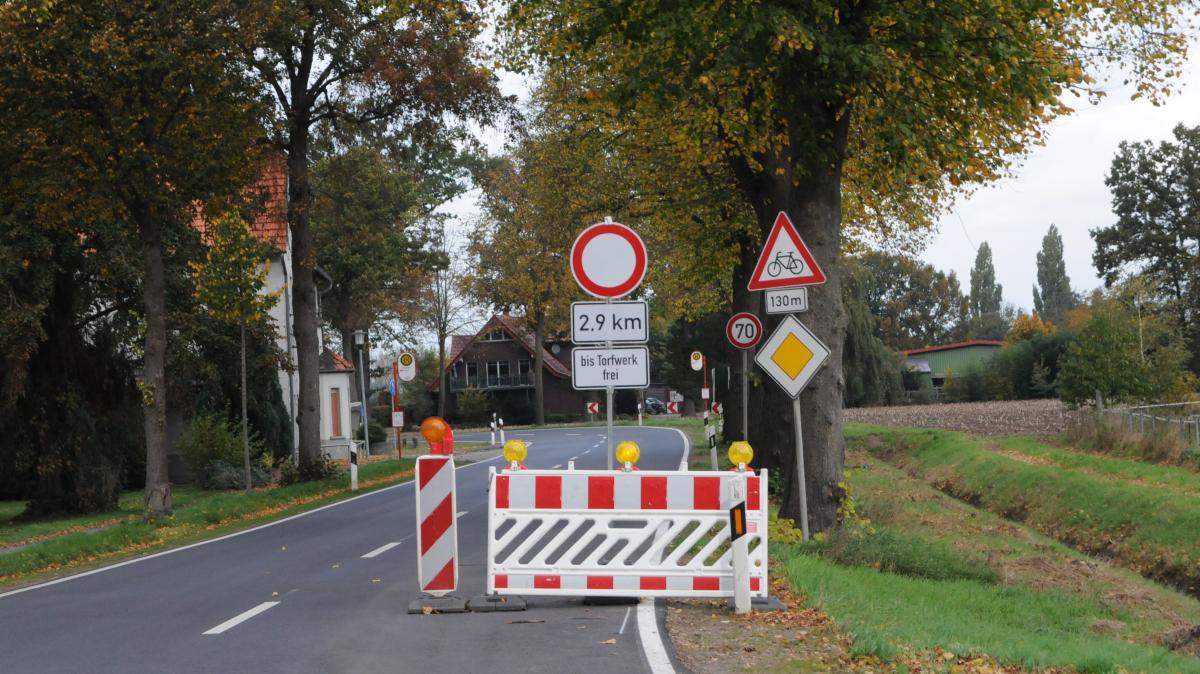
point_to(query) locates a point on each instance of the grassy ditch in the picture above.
(31, 550)
(916, 574)
(1142, 516)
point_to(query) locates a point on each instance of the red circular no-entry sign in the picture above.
(744, 330)
(608, 260)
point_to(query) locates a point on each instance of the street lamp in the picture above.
(360, 341)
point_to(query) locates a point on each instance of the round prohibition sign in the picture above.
(744, 330)
(608, 260)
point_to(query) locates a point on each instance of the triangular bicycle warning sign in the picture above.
(785, 260)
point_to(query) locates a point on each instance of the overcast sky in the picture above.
(1060, 183)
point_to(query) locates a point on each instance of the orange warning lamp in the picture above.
(433, 429)
(740, 454)
(628, 453)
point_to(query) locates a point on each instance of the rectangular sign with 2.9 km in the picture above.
(600, 322)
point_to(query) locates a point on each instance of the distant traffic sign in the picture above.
(408, 367)
(599, 322)
(673, 407)
(787, 301)
(593, 408)
(785, 260)
(792, 355)
(615, 367)
(697, 361)
(744, 330)
(718, 408)
(608, 260)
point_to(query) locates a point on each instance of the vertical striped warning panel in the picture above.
(437, 528)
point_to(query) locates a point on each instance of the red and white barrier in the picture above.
(437, 528)
(647, 533)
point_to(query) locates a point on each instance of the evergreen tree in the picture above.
(985, 292)
(1052, 296)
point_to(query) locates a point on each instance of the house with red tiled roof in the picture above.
(499, 359)
(270, 225)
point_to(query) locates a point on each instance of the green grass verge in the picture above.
(1092, 503)
(71, 544)
(1015, 624)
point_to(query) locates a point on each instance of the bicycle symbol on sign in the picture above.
(787, 261)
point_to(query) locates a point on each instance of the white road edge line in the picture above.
(651, 640)
(242, 617)
(235, 534)
(573, 458)
(380, 550)
(625, 620)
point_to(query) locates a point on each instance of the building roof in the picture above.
(332, 362)
(507, 323)
(270, 225)
(956, 345)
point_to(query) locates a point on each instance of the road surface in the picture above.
(327, 591)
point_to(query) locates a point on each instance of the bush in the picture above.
(221, 475)
(323, 468)
(474, 405)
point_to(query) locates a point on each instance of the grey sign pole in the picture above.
(608, 406)
(746, 395)
(800, 467)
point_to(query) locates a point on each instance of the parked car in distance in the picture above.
(655, 406)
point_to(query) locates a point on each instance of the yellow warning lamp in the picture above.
(740, 454)
(515, 452)
(628, 453)
(433, 429)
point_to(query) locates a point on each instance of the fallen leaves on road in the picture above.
(609, 642)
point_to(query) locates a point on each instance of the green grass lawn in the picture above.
(1112, 507)
(926, 571)
(31, 550)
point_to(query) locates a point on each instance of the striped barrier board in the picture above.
(437, 526)
(596, 533)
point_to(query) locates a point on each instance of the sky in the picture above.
(1060, 183)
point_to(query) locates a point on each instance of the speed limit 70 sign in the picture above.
(744, 330)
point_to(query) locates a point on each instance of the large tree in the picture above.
(915, 304)
(402, 68)
(987, 296)
(1156, 198)
(143, 111)
(793, 100)
(1052, 296)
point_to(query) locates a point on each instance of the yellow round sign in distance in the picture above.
(406, 359)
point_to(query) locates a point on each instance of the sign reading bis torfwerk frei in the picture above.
(792, 355)
(600, 322)
(785, 260)
(610, 367)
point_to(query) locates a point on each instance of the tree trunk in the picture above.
(442, 379)
(304, 295)
(539, 393)
(245, 417)
(813, 202)
(157, 498)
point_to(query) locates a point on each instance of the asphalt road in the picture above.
(337, 609)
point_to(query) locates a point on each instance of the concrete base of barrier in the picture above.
(429, 604)
(488, 603)
(610, 601)
(766, 604)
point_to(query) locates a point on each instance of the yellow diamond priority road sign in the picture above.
(792, 355)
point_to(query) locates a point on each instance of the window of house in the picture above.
(495, 335)
(472, 372)
(524, 367)
(335, 412)
(496, 371)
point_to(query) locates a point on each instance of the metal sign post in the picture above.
(746, 395)
(800, 466)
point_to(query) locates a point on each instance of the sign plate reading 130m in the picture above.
(599, 322)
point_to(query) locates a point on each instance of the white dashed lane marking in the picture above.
(242, 617)
(380, 550)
